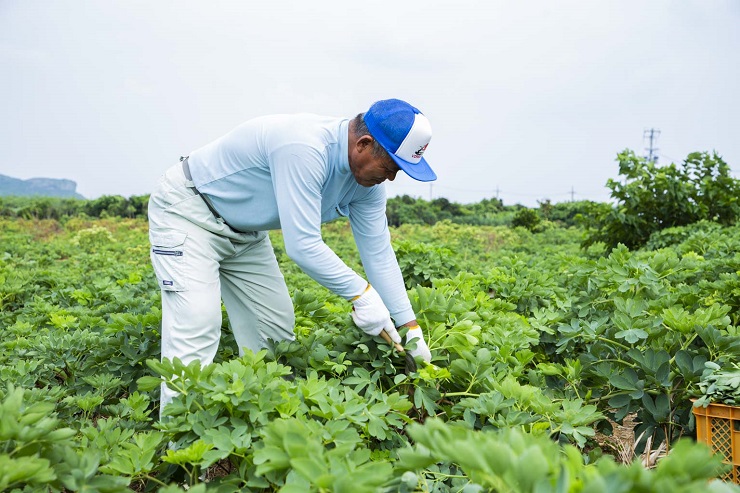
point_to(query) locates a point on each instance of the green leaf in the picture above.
(625, 381)
(620, 400)
(24, 470)
(632, 335)
(147, 384)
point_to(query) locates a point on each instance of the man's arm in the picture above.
(298, 173)
(370, 229)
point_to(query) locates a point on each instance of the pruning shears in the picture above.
(410, 362)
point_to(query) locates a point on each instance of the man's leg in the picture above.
(255, 295)
(185, 255)
(191, 328)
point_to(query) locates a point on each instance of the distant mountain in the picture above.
(46, 187)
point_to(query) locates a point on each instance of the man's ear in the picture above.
(364, 142)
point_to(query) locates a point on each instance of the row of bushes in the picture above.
(487, 212)
(59, 208)
(646, 200)
(400, 210)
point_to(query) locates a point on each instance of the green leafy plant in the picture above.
(719, 385)
(420, 263)
(651, 198)
(527, 218)
(535, 343)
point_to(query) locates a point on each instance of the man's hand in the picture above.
(422, 350)
(371, 315)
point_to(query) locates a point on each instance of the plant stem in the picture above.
(460, 394)
(604, 339)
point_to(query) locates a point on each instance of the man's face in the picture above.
(370, 169)
(376, 171)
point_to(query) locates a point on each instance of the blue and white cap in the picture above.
(404, 132)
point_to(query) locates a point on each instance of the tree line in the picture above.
(646, 199)
(400, 210)
(60, 208)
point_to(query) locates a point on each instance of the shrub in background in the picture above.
(650, 198)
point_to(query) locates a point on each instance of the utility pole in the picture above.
(572, 194)
(652, 135)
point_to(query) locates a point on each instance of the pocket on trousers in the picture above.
(168, 253)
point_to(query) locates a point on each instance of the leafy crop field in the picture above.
(539, 348)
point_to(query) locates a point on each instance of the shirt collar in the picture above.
(341, 157)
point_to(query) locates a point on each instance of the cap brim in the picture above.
(419, 171)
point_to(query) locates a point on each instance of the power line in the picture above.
(674, 160)
(477, 190)
(499, 192)
(503, 194)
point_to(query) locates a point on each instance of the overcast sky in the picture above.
(528, 99)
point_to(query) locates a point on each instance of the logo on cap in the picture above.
(420, 151)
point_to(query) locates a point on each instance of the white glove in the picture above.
(371, 315)
(422, 350)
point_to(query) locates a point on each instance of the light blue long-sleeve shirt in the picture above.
(291, 172)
